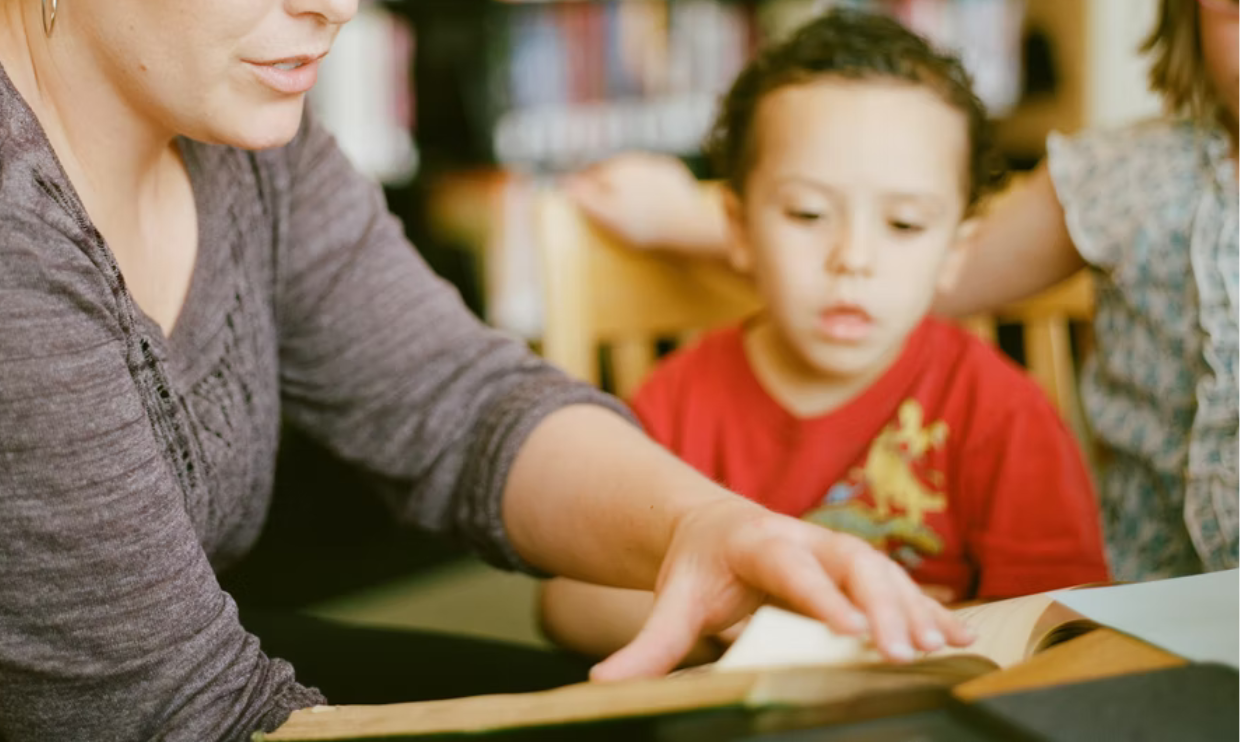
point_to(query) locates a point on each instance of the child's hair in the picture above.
(858, 46)
(1178, 72)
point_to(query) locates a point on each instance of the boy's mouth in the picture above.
(845, 323)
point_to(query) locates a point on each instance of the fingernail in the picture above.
(932, 639)
(901, 651)
(857, 622)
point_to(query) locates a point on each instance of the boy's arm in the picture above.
(597, 621)
(1035, 521)
(1021, 247)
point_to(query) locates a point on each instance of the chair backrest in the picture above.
(599, 293)
(1046, 321)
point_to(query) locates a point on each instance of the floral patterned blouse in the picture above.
(1153, 208)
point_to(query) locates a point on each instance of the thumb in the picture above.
(668, 635)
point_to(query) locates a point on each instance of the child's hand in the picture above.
(651, 201)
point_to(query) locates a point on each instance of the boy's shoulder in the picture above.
(977, 378)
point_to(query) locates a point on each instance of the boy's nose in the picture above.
(852, 253)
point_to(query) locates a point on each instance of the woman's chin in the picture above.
(261, 127)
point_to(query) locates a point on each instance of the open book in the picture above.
(1007, 631)
(785, 662)
(780, 661)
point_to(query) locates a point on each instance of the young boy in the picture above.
(855, 155)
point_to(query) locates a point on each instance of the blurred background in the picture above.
(463, 109)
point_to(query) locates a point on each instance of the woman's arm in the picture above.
(1021, 247)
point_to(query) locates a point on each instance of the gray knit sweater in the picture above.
(134, 465)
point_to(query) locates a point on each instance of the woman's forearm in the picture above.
(591, 497)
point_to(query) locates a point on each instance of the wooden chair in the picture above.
(599, 293)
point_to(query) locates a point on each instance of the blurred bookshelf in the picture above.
(465, 108)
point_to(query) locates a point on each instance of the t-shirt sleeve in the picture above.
(656, 403)
(383, 364)
(1097, 177)
(1034, 521)
(112, 624)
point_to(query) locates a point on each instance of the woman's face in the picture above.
(222, 71)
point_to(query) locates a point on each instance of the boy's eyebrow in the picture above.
(921, 197)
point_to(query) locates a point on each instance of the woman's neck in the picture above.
(800, 388)
(111, 153)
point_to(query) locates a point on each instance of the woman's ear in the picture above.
(957, 254)
(740, 254)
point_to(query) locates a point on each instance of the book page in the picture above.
(779, 638)
(1005, 630)
(1195, 617)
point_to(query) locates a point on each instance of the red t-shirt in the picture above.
(953, 462)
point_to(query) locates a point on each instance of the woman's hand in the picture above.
(652, 201)
(727, 558)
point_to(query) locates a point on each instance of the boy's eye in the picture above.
(805, 215)
(904, 226)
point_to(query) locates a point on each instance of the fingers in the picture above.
(940, 593)
(668, 635)
(872, 586)
(797, 580)
(902, 619)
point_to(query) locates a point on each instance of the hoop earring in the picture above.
(49, 19)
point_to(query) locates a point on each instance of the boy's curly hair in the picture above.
(857, 46)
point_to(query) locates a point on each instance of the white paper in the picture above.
(1195, 617)
(778, 638)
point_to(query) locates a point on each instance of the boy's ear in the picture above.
(740, 254)
(957, 253)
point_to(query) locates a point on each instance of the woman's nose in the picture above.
(335, 12)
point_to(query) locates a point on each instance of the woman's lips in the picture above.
(845, 323)
(291, 76)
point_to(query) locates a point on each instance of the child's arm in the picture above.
(1020, 248)
(597, 621)
(652, 202)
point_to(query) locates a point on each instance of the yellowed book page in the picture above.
(1006, 630)
(1006, 633)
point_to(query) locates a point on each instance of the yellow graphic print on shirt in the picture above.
(893, 518)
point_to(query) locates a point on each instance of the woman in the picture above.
(185, 258)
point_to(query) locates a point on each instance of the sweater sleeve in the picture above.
(382, 363)
(112, 625)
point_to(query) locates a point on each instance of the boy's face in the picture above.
(851, 215)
